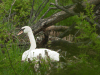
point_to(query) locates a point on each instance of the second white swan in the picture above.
(33, 52)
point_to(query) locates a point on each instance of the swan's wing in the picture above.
(53, 55)
(25, 55)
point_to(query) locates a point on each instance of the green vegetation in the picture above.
(18, 15)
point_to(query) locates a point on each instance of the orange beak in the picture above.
(20, 32)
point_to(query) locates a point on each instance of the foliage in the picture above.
(16, 12)
(88, 31)
(84, 68)
(12, 16)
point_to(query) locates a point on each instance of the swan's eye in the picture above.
(21, 31)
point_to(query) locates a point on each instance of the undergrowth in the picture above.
(11, 53)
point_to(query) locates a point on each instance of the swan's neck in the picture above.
(32, 41)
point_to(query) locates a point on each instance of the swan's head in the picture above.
(25, 29)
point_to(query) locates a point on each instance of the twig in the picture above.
(75, 34)
(31, 14)
(56, 28)
(39, 7)
(29, 60)
(10, 9)
(40, 57)
(10, 60)
(46, 53)
(92, 22)
(69, 6)
(48, 11)
(38, 11)
(60, 7)
(56, 2)
(64, 9)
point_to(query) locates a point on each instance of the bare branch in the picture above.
(10, 9)
(48, 11)
(75, 34)
(62, 8)
(56, 1)
(43, 23)
(31, 14)
(39, 10)
(92, 22)
(39, 7)
(56, 28)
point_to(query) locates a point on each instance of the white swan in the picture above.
(33, 52)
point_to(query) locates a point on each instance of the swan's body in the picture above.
(34, 53)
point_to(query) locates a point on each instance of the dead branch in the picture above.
(56, 28)
(44, 23)
(56, 2)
